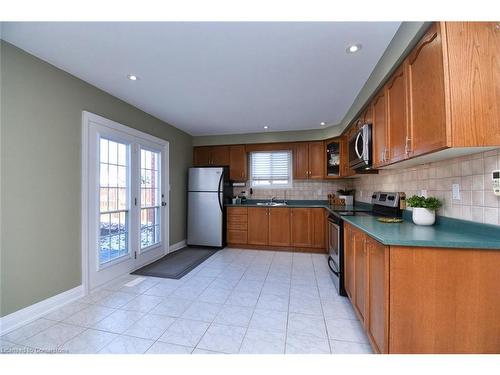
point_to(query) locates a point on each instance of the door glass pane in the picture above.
(150, 198)
(113, 200)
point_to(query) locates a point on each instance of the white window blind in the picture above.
(271, 168)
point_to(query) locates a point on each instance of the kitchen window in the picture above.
(271, 169)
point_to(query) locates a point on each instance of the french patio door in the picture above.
(127, 200)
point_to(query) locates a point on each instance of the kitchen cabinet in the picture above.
(211, 156)
(349, 261)
(378, 299)
(379, 130)
(318, 229)
(279, 226)
(397, 126)
(301, 219)
(238, 163)
(426, 95)
(428, 306)
(309, 160)
(237, 228)
(360, 275)
(258, 226)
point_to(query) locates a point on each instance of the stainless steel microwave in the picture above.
(360, 148)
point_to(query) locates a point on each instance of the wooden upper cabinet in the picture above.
(378, 295)
(317, 160)
(426, 95)
(473, 61)
(201, 156)
(318, 217)
(220, 155)
(367, 117)
(396, 116)
(279, 226)
(301, 227)
(379, 129)
(258, 226)
(301, 161)
(238, 163)
(309, 160)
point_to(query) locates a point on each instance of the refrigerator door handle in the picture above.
(219, 191)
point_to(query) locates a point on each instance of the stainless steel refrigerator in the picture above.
(208, 190)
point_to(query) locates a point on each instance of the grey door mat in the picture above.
(176, 264)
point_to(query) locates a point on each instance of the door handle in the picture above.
(356, 146)
(336, 273)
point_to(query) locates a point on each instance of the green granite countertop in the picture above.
(305, 203)
(446, 232)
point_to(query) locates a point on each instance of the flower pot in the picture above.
(349, 199)
(423, 216)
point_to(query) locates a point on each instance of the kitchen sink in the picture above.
(272, 204)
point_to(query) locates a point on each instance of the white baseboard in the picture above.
(177, 246)
(28, 314)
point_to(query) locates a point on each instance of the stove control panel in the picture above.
(386, 199)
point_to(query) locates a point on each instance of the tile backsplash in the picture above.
(313, 190)
(473, 173)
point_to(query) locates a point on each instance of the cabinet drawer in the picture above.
(237, 236)
(237, 226)
(237, 211)
(236, 219)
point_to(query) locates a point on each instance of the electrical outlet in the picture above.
(455, 191)
(423, 193)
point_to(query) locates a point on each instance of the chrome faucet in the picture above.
(272, 200)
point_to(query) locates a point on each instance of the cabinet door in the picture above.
(258, 226)
(219, 155)
(318, 228)
(301, 161)
(378, 294)
(380, 150)
(427, 109)
(349, 261)
(201, 156)
(396, 116)
(238, 163)
(301, 227)
(360, 279)
(279, 226)
(368, 115)
(317, 159)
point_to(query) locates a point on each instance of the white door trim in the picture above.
(87, 118)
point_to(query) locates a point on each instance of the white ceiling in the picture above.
(217, 78)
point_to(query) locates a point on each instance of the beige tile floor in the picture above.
(237, 301)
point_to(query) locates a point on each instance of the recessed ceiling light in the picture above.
(322, 123)
(132, 77)
(353, 48)
(266, 127)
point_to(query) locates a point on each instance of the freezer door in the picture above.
(205, 219)
(204, 179)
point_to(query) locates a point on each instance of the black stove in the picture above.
(383, 204)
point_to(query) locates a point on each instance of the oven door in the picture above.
(334, 241)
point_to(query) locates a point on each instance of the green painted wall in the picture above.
(41, 111)
(404, 39)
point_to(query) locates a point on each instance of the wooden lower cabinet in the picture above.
(360, 275)
(423, 300)
(280, 228)
(378, 295)
(258, 226)
(301, 227)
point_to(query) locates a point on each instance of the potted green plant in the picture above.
(424, 209)
(347, 195)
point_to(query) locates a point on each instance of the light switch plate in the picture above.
(456, 191)
(423, 193)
